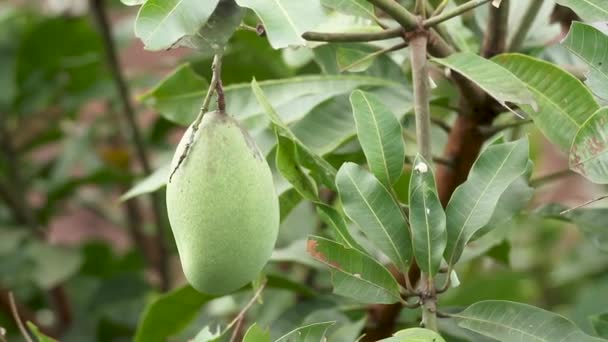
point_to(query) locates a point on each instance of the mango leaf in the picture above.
(309, 333)
(360, 8)
(169, 313)
(161, 23)
(380, 136)
(151, 183)
(288, 166)
(318, 166)
(514, 322)
(589, 153)
(589, 10)
(414, 335)
(337, 222)
(372, 207)
(591, 45)
(206, 335)
(286, 20)
(495, 80)
(473, 202)
(40, 337)
(355, 274)
(52, 264)
(218, 29)
(132, 2)
(564, 103)
(427, 218)
(288, 200)
(354, 60)
(256, 334)
(600, 324)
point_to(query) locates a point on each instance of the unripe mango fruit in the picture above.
(222, 206)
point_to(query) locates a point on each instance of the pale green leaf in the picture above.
(309, 333)
(286, 20)
(179, 96)
(337, 222)
(169, 313)
(52, 265)
(589, 153)
(600, 324)
(40, 337)
(564, 103)
(353, 60)
(380, 136)
(288, 166)
(473, 202)
(427, 218)
(256, 334)
(591, 45)
(498, 82)
(372, 207)
(162, 23)
(151, 183)
(355, 274)
(516, 322)
(415, 335)
(132, 2)
(360, 8)
(206, 335)
(589, 10)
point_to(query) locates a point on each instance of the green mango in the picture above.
(222, 206)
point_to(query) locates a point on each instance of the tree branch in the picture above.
(467, 6)
(421, 94)
(353, 36)
(524, 26)
(495, 40)
(98, 10)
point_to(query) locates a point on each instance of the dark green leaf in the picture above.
(600, 324)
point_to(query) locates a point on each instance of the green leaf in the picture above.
(40, 337)
(564, 103)
(427, 218)
(473, 202)
(355, 274)
(52, 264)
(589, 10)
(360, 8)
(151, 183)
(380, 136)
(372, 207)
(600, 324)
(511, 321)
(589, 153)
(132, 2)
(206, 335)
(179, 96)
(288, 200)
(318, 166)
(354, 60)
(256, 334)
(415, 335)
(309, 333)
(162, 23)
(168, 314)
(591, 45)
(337, 222)
(499, 83)
(218, 29)
(290, 169)
(285, 20)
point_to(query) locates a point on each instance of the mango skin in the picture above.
(222, 206)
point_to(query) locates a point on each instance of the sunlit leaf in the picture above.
(380, 136)
(359, 8)
(414, 335)
(589, 153)
(564, 103)
(355, 274)
(151, 183)
(516, 322)
(286, 20)
(427, 218)
(256, 334)
(589, 10)
(40, 337)
(473, 203)
(372, 207)
(309, 333)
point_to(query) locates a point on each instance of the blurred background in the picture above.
(77, 132)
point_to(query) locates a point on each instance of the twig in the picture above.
(495, 40)
(441, 124)
(15, 312)
(524, 26)
(98, 10)
(467, 6)
(216, 65)
(241, 314)
(440, 8)
(584, 204)
(353, 36)
(548, 178)
(489, 131)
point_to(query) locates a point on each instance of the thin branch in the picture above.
(524, 26)
(491, 130)
(584, 204)
(241, 314)
(15, 312)
(467, 6)
(441, 124)
(353, 36)
(551, 177)
(440, 8)
(495, 40)
(421, 94)
(375, 54)
(98, 10)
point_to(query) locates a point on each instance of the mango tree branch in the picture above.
(99, 13)
(467, 6)
(495, 40)
(524, 26)
(347, 37)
